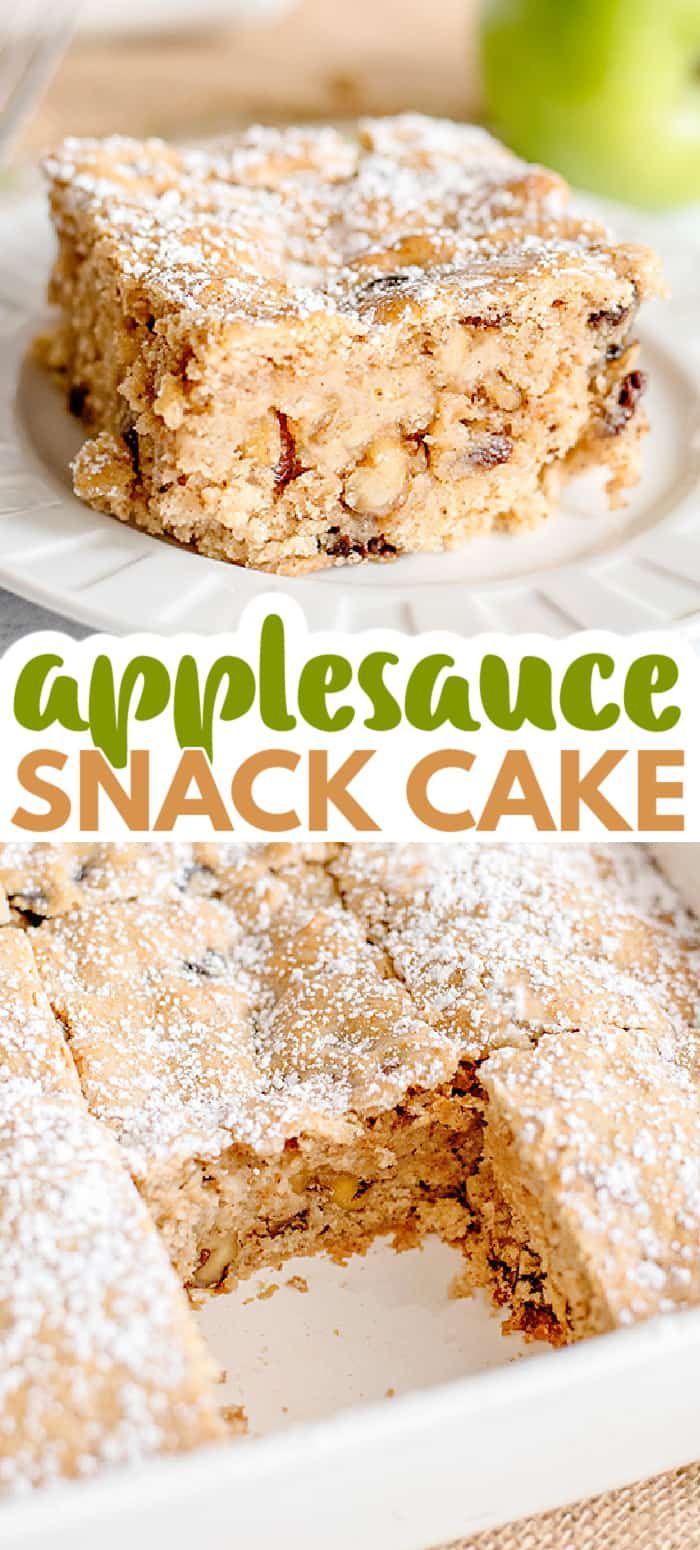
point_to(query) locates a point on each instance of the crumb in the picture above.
(236, 1419)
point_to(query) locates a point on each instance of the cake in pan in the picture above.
(272, 1050)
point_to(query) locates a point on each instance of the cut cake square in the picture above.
(101, 1363)
(308, 347)
(251, 1071)
(592, 1159)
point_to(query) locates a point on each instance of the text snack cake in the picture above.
(227, 1055)
(303, 347)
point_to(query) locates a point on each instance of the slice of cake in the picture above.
(304, 348)
(100, 1360)
(592, 1159)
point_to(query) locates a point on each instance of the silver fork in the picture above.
(33, 36)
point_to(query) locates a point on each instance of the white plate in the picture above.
(586, 568)
(480, 1428)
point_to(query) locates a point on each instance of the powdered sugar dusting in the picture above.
(604, 1130)
(203, 1022)
(305, 221)
(100, 1362)
(494, 940)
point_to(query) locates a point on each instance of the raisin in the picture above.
(381, 546)
(210, 966)
(288, 466)
(609, 317)
(343, 546)
(491, 452)
(383, 285)
(150, 324)
(487, 320)
(31, 919)
(33, 904)
(130, 437)
(77, 399)
(622, 406)
(631, 389)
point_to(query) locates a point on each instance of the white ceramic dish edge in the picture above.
(416, 1474)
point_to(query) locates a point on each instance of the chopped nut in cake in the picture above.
(305, 348)
(307, 1060)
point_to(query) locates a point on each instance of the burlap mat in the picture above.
(328, 58)
(659, 1514)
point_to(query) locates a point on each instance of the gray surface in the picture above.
(18, 618)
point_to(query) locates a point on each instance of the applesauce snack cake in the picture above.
(304, 347)
(308, 1047)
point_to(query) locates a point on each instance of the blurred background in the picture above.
(607, 91)
(175, 68)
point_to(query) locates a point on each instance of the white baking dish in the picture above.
(479, 1428)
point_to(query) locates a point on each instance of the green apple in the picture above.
(606, 91)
